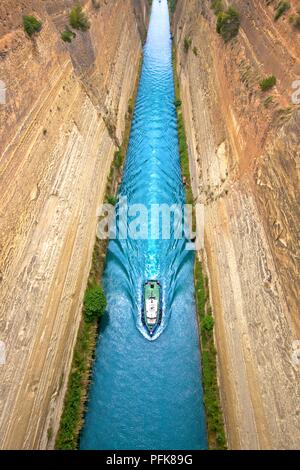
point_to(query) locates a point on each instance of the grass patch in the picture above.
(118, 159)
(267, 83)
(217, 6)
(71, 419)
(111, 199)
(281, 8)
(31, 25)
(187, 44)
(214, 416)
(67, 35)
(268, 101)
(79, 19)
(183, 147)
(228, 23)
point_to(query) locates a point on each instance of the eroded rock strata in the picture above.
(64, 117)
(244, 149)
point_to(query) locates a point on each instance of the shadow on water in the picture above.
(147, 394)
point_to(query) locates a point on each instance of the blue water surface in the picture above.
(147, 394)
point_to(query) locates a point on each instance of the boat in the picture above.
(151, 311)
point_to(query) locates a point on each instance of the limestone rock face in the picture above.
(244, 149)
(63, 118)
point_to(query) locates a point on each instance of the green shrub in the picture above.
(281, 8)
(228, 23)
(213, 410)
(79, 19)
(31, 25)
(94, 303)
(67, 35)
(177, 103)
(267, 83)
(208, 322)
(118, 160)
(217, 6)
(111, 200)
(130, 106)
(187, 43)
(172, 4)
(296, 21)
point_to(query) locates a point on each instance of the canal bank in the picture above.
(72, 418)
(213, 409)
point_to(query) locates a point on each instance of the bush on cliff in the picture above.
(31, 25)
(295, 20)
(228, 23)
(79, 19)
(94, 303)
(67, 35)
(267, 83)
(217, 6)
(281, 8)
(172, 4)
(186, 44)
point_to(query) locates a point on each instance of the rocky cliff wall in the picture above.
(244, 149)
(63, 118)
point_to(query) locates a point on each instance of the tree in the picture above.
(94, 303)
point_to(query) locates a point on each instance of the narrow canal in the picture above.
(147, 394)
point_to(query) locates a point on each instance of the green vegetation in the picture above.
(195, 50)
(118, 159)
(78, 383)
(186, 44)
(267, 83)
(130, 106)
(112, 200)
(67, 35)
(31, 25)
(71, 419)
(208, 323)
(183, 147)
(268, 101)
(217, 6)
(177, 103)
(295, 20)
(214, 417)
(281, 8)
(228, 23)
(172, 5)
(94, 303)
(79, 19)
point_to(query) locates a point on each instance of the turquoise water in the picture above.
(147, 394)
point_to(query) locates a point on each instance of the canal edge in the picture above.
(216, 433)
(76, 396)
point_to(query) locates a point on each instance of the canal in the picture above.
(147, 394)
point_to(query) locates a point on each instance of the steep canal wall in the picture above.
(243, 145)
(63, 120)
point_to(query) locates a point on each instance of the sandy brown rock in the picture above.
(64, 116)
(244, 155)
